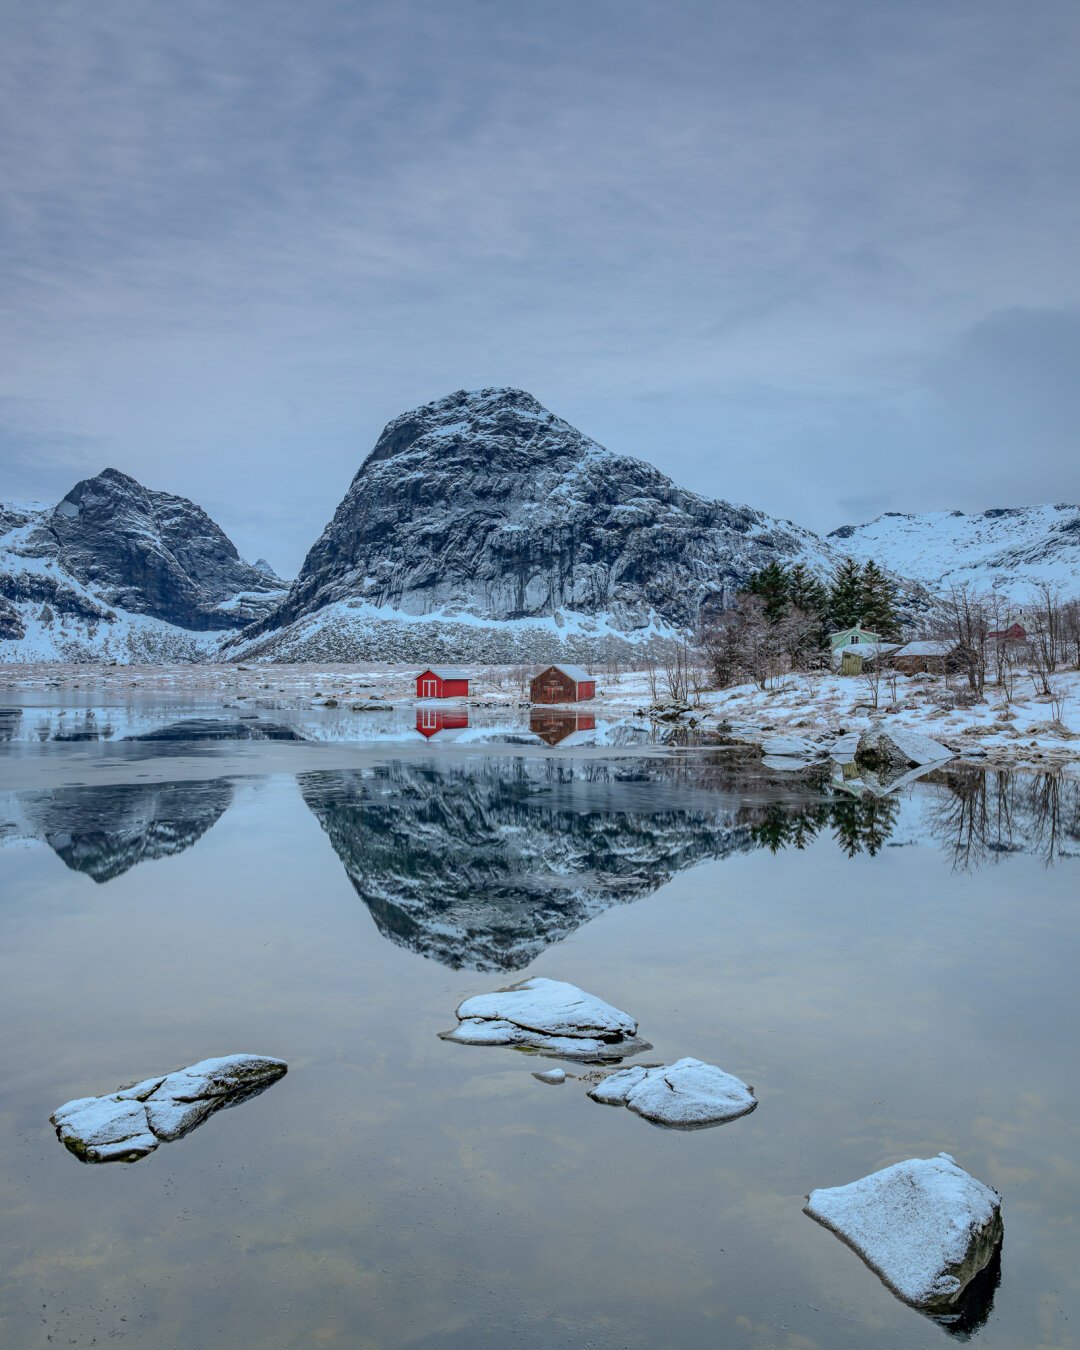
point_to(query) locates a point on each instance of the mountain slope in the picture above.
(485, 508)
(1010, 550)
(117, 569)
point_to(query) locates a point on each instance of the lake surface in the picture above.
(895, 976)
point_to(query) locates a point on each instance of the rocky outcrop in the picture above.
(896, 749)
(126, 1125)
(486, 505)
(548, 1015)
(926, 1226)
(688, 1094)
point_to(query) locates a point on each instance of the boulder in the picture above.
(790, 747)
(896, 747)
(126, 1125)
(925, 1226)
(685, 1095)
(548, 1015)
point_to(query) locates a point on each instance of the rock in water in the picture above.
(128, 1124)
(897, 748)
(548, 1015)
(683, 1095)
(925, 1226)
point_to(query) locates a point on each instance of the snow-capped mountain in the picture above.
(118, 570)
(483, 526)
(1011, 549)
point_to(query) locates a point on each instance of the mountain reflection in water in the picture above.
(483, 863)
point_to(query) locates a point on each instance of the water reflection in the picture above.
(981, 817)
(483, 864)
(105, 831)
(431, 721)
(858, 824)
(556, 728)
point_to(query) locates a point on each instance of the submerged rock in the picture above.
(925, 1226)
(126, 1125)
(548, 1015)
(683, 1095)
(897, 748)
(791, 747)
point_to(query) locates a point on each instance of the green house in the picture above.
(851, 637)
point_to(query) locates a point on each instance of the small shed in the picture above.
(443, 682)
(932, 656)
(855, 657)
(562, 684)
(1016, 632)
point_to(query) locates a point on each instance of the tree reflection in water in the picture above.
(980, 816)
(858, 824)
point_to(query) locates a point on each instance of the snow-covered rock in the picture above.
(684, 1095)
(1010, 550)
(925, 1226)
(898, 748)
(483, 508)
(791, 747)
(548, 1015)
(126, 1125)
(551, 1076)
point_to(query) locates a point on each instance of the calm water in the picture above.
(895, 977)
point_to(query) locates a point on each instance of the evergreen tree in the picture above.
(879, 602)
(807, 594)
(846, 595)
(771, 584)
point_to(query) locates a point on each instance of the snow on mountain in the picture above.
(485, 510)
(1011, 549)
(116, 570)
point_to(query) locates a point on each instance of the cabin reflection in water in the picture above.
(430, 721)
(556, 728)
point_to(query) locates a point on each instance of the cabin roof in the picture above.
(575, 673)
(446, 672)
(928, 647)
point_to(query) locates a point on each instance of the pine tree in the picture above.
(771, 584)
(879, 602)
(846, 595)
(807, 594)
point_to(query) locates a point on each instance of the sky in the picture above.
(820, 256)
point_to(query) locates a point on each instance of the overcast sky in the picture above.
(819, 257)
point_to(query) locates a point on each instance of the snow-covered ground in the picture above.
(334, 702)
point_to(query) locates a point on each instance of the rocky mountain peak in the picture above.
(486, 505)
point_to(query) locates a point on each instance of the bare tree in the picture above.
(1045, 634)
(966, 621)
(677, 671)
(1070, 631)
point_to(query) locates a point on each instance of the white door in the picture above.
(428, 688)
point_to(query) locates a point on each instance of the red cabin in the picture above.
(442, 682)
(562, 684)
(430, 721)
(1016, 632)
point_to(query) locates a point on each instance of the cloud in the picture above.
(716, 235)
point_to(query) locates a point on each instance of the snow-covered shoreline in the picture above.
(1029, 730)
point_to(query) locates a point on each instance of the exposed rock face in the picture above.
(114, 552)
(127, 1125)
(685, 1095)
(548, 1015)
(485, 504)
(925, 1226)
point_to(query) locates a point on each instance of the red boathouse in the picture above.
(562, 684)
(442, 682)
